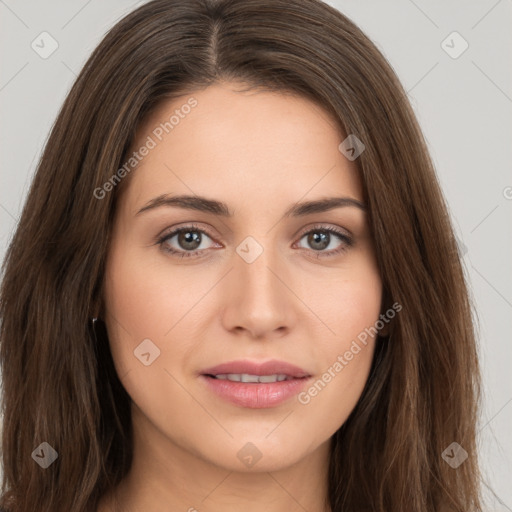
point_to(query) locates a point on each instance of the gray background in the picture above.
(463, 104)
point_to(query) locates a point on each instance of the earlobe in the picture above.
(97, 311)
(384, 332)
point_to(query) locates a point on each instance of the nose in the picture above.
(261, 302)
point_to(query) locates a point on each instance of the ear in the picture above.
(97, 309)
(386, 329)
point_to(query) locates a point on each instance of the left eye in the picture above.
(321, 238)
(190, 238)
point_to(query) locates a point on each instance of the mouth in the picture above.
(248, 371)
(248, 378)
(255, 385)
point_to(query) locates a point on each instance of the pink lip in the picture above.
(253, 368)
(256, 395)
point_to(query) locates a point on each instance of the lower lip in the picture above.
(255, 395)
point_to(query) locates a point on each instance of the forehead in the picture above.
(230, 144)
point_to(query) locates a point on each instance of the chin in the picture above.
(257, 454)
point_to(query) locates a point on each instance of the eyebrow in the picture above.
(219, 208)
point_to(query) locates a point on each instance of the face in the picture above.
(205, 323)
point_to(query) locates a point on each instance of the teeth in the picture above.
(246, 377)
(271, 378)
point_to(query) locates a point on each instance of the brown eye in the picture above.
(189, 240)
(320, 238)
(185, 241)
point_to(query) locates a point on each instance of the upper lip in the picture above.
(271, 367)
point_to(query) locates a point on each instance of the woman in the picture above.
(235, 282)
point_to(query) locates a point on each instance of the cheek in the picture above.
(353, 308)
(143, 306)
(357, 308)
(147, 299)
(142, 295)
(347, 303)
(137, 306)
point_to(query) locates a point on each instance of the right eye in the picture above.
(187, 244)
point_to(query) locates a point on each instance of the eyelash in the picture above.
(348, 242)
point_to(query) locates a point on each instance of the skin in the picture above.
(260, 153)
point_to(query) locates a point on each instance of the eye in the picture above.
(321, 237)
(189, 240)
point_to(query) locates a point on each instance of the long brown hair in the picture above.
(59, 382)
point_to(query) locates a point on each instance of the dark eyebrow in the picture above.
(203, 204)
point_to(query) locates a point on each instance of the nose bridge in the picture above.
(261, 303)
(256, 259)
